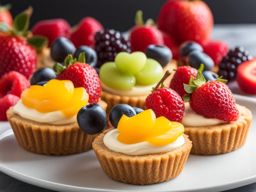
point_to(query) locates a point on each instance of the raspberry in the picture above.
(6, 102)
(181, 76)
(13, 83)
(166, 102)
(108, 43)
(216, 50)
(229, 64)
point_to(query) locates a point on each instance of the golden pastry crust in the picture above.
(136, 101)
(219, 139)
(44, 59)
(141, 169)
(50, 139)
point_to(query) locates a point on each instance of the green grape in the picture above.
(130, 64)
(113, 78)
(150, 74)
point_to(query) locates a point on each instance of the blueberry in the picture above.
(196, 58)
(90, 55)
(210, 76)
(138, 110)
(43, 74)
(61, 47)
(118, 110)
(41, 83)
(92, 119)
(160, 53)
(189, 46)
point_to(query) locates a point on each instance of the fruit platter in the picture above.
(89, 108)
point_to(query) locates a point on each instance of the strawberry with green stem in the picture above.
(212, 99)
(18, 47)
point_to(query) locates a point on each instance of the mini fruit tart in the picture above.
(143, 149)
(213, 120)
(130, 78)
(45, 119)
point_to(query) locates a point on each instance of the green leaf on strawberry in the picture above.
(21, 22)
(38, 42)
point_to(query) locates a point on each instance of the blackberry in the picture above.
(108, 43)
(229, 64)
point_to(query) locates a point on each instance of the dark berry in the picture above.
(118, 110)
(92, 119)
(210, 76)
(196, 58)
(137, 110)
(41, 83)
(189, 46)
(229, 64)
(60, 48)
(90, 55)
(160, 53)
(108, 43)
(43, 74)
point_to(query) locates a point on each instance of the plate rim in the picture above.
(64, 187)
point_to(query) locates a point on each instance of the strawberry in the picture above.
(52, 29)
(186, 20)
(169, 42)
(142, 36)
(85, 32)
(166, 102)
(17, 53)
(216, 50)
(6, 102)
(246, 76)
(211, 99)
(13, 83)
(82, 75)
(181, 77)
(6, 16)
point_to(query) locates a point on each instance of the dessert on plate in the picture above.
(44, 120)
(143, 149)
(214, 122)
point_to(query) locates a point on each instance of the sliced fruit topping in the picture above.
(246, 76)
(146, 127)
(150, 74)
(55, 95)
(130, 64)
(111, 76)
(92, 119)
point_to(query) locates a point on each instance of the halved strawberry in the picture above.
(246, 76)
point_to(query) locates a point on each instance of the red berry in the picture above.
(143, 36)
(181, 77)
(216, 50)
(246, 76)
(85, 32)
(169, 42)
(16, 55)
(13, 83)
(166, 102)
(186, 20)
(83, 75)
(214, 100)
(52, 29)
(5, 16)
(6, 102)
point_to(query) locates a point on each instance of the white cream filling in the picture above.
(55, 117)
(135, 91)
(143, 148)
(192, 119)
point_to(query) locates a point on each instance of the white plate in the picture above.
(83, 173)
